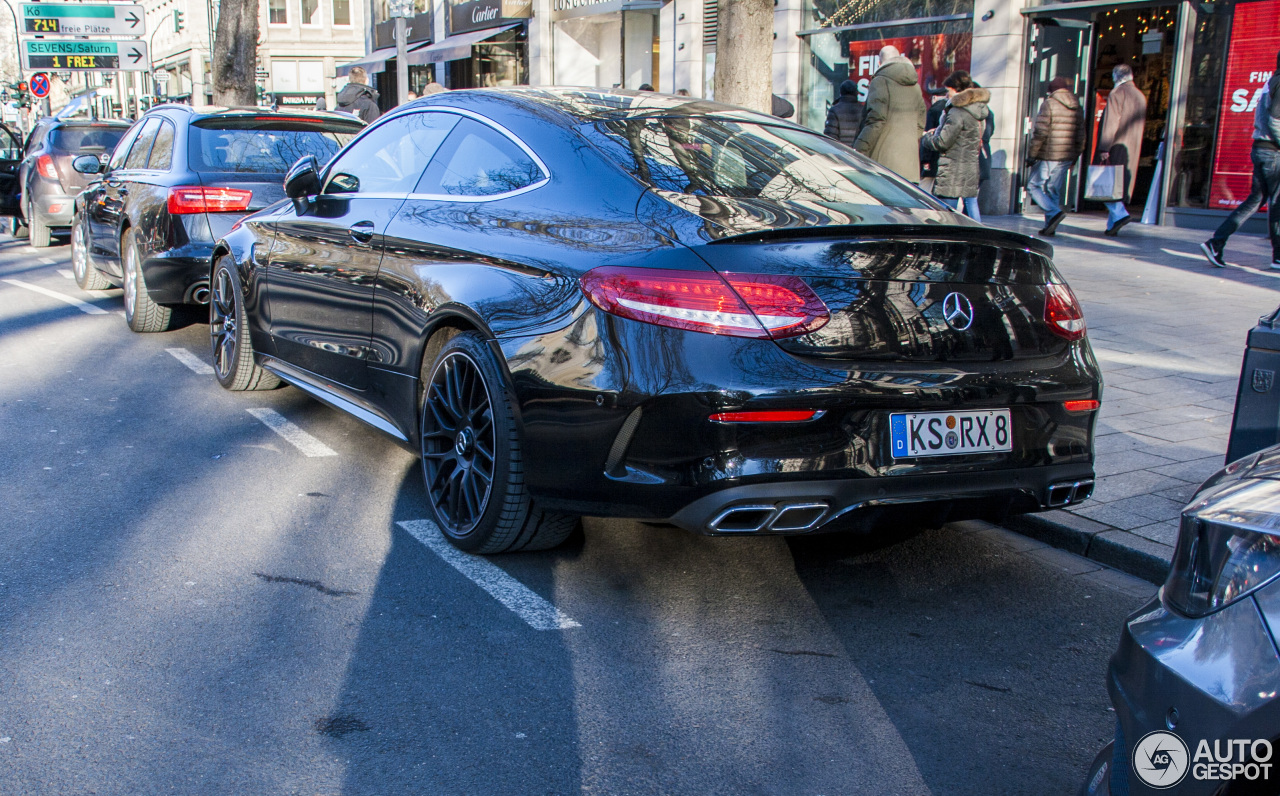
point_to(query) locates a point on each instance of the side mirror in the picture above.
(302, 181)
(87, 164)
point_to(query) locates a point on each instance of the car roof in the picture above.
(219, 112)
(584, 105)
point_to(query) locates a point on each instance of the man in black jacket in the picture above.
(357, 97)
(1266, 177)
(844, 119)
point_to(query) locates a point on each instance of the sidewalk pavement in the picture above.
(1169, 332)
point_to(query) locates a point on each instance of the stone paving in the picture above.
(1169, 332)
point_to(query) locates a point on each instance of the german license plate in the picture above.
(950, 433)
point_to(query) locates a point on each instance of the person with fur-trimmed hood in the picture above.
(958, 142)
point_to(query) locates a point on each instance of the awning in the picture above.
(454, 48)
(375, 61)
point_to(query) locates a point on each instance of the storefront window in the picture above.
(498, 61)
(606, 50)
(937, 48)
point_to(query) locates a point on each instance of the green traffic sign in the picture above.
(85, 56)
(83, 19)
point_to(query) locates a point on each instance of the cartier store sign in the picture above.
(467, 15)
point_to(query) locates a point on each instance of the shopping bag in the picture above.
(1104, 184)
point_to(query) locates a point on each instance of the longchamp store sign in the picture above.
(1251, 59)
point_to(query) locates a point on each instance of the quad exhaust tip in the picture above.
(1069, 492)
(768, 518)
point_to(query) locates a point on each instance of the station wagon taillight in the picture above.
(186, 199)
(44, 165)
(1062, 312)
(738, 305)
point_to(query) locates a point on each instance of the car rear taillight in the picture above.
(1062, 312)
(1081, 406)
(44, 165)
(186, 199)
(738, 305)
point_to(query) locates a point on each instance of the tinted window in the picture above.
(720, 157)
(477, 160)
(391, 158)
(260, 145)
(86, 140)
(162, 150)
(142, 147)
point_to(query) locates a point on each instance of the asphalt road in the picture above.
(209, 593)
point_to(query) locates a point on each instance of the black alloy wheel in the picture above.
(458, 443)
(471, 454)
(233, 361)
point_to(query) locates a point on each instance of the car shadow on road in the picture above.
(990, 664)
(446, 690)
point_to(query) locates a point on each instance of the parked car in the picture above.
(1196, 676)
(618, 303)
(180, 178)
(46, 182)
(10, 159)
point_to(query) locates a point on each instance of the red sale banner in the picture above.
(1251, 58)
(936, 56)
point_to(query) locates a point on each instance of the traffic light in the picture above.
(177, 21)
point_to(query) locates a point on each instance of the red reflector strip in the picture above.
(1081, 406)
(774, 416)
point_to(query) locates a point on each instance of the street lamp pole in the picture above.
(401, 9)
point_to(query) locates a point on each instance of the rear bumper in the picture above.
(55, 210)
(786, 507)
(173, 275)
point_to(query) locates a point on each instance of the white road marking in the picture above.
(192, 361)
(309, 445)
(85, 307)
(519, 598)
(48, 260)
(123, 314)
(67, 273)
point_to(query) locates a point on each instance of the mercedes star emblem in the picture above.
(957, 311)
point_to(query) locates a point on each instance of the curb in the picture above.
(1096, 541)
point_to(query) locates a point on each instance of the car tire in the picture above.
(471, 453)
(234, 365)
(141, 313)
(41, 234)
(87, 275)
(18, 230)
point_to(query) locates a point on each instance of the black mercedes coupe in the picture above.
(627, 304)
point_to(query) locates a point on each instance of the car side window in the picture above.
(141, 148)
(391, 157)
(36, 137)
(477, 160)
(122, 149)
(162, 150)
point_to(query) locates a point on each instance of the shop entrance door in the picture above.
(1059, 48)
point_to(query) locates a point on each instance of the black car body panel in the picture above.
(10, 160)
(134, 192)
(613, 411)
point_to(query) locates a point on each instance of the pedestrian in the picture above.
(432, 88)
(1056, 143)
(928, 157)
(357, 97)
(1120, 139)
(682, 92)
(894, 117)
(844, 118)
(645, 87)
(1265, 155)
(320, 104)
(410, 96)
(958, 142)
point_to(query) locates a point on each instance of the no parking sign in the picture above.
(39, 85)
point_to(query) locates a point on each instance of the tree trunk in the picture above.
(744, 54)
(235, 54)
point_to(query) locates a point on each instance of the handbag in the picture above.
(1104, 184)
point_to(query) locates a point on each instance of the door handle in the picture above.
(361, 231)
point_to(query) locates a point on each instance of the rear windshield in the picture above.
(264, 146)
(91, 139)
(710, 156)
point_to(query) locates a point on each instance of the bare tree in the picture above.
(744, 54)
(235, 53)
